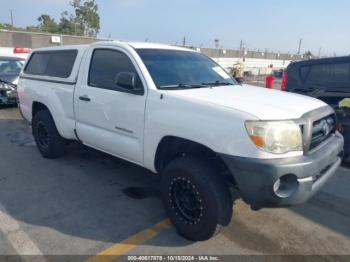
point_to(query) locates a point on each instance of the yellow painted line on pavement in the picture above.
(113, 252)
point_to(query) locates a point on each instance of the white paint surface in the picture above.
(18, 239)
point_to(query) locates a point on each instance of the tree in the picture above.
(6, 26)
(86, 15)
(68, 25)
(32, 28)
(84, 22)
(47, 24)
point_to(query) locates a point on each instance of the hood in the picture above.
(265, 104)
(10, 78)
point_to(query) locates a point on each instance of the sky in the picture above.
(275, 25)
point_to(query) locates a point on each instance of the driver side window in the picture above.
(105, 66)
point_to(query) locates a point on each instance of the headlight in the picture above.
(8, 87)
(276, 137)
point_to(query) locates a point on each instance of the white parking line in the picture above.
(19, 240)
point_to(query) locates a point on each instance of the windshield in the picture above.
(10, 67)
(173, 69)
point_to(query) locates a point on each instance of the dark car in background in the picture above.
(278, 73)
(10, 68)
(327, 79)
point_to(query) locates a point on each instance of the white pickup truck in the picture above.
(176, 112)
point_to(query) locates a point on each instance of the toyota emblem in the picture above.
(326, 129)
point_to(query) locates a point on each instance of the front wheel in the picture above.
(196, 198)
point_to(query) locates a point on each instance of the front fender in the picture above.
(218, 128)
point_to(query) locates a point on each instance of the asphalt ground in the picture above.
(88, 203)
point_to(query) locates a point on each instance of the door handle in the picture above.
(84, 98)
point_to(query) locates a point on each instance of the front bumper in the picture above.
(255, 178)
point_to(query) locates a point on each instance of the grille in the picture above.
(322, 129)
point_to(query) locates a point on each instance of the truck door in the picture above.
(109, 117)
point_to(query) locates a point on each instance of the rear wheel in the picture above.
(47, 138)
(196, 198)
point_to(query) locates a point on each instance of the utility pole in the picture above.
(300, 43)
(241, 48)
(184, 41)
(241, 45)
(11, 15)
(217, 43)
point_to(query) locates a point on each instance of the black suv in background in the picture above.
(327, 79)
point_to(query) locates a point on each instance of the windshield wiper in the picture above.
(188, 86)
(181, 86)
(217, 83)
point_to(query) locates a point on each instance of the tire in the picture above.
(210, 198)
(47, 138)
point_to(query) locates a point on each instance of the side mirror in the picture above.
(126, 80)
